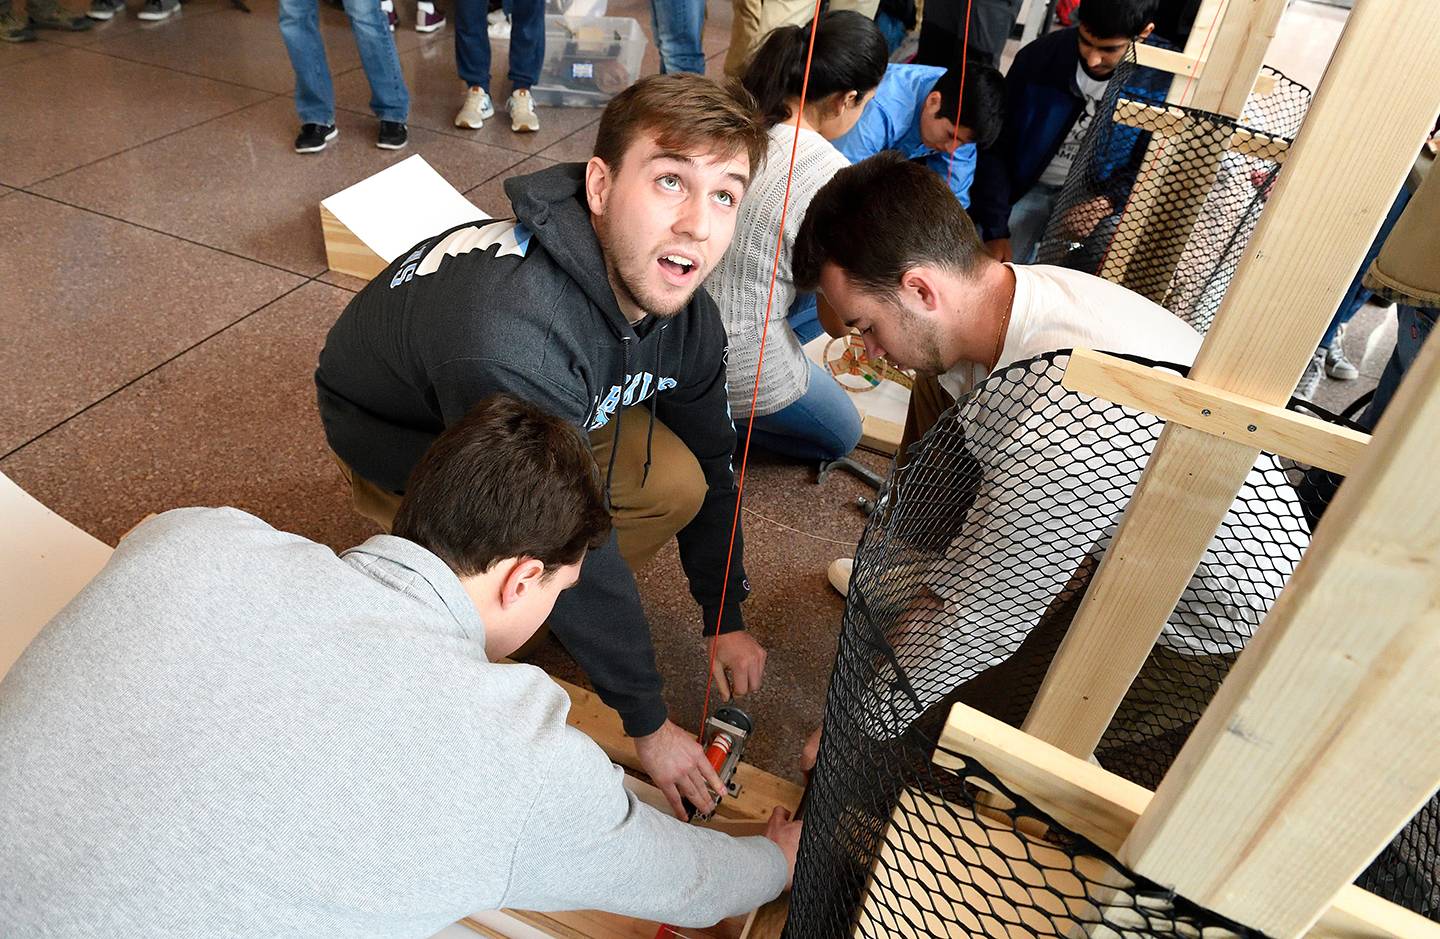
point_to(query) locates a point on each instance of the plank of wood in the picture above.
(1105, 808)
(1216, 411)
(1328, 725)
(1235, 55)
(768, 921)
(344, 252)
(880, 435)
(1171, 121)
(1327, 206)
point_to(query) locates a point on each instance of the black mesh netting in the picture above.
(964, 584)
(1163, 199)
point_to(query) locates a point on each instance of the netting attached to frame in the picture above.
(964, 585)
(1163, 199)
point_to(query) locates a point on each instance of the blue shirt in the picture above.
(892, 122)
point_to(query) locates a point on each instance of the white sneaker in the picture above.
(839, 574)
(522, 112)
(1337, 366)
(498, 28)
(476, 109)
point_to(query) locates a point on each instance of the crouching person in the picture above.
(233, 730)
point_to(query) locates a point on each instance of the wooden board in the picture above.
(1105, 808)
(44, 561)
(346, 253)
(1216, 411)
(1325, 738)
(1327, 206)
(1171, 121)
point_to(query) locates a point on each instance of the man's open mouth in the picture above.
(677, 265)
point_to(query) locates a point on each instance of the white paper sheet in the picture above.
(401, 205)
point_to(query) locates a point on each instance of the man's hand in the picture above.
(785, 832)
(739, 664)
(1080, 219)
(999, 249)
(677, 766)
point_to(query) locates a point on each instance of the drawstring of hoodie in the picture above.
(650, 434)
(615, 440)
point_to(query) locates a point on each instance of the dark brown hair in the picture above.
(687, 114)
(507, 481)
(880, 218)
(850, 55)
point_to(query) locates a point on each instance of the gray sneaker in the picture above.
(1337, 366)
(1310, 378)
(105, 9)
(156, 10)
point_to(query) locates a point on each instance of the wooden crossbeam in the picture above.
(1216, 411)
(1327, 206)
(1171, 121)
(1105, 808)
(1324, 739)
(1185, 65)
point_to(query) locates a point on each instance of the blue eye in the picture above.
(671, 183)
(726, 198)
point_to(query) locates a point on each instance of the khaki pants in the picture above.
(753, 20)
(645, 517)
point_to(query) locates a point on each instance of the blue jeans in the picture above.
(527, 42)
(804, 318)
(1028, 219)
(1412, 326)
(822, 425)
(678, 26)
(1358, 294)
(314, 94)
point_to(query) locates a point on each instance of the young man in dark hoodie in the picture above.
(587, 304)
(1052, 93)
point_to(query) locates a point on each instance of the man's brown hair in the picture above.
(508, 480)
(880, 218)
(687, 114)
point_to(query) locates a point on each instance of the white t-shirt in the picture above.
(1057, 308)
(1092, 91)
(1058, 470)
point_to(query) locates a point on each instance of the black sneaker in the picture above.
(314, 137)
(393, 136)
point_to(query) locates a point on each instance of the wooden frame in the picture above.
(345, 253)
(1106, 809)
(1326, 209)
(1216, 411)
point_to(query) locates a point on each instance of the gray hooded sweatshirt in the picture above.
(233, 731)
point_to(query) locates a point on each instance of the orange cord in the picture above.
(960, 104)
(755, 393)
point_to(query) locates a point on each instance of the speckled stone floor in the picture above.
(166, 294)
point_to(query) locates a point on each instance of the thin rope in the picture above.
(755, 392)
(960, 104)
(763, 518)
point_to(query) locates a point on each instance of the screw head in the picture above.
(1204, 412)
(1251, 428)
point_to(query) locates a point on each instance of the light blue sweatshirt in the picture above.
(233, 731)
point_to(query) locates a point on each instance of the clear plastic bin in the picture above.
(588, 60)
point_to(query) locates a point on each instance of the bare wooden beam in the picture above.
(1170, 121)
(1216, 411)
(1327, 206)
(1105, 808)
(1325, 738)
(1235, 55)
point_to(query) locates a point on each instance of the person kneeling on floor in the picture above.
(232, 729)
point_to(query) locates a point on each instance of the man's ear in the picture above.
(932, 103)
(1145, 33)
(919, 282)
(522, 580)
(598, 180)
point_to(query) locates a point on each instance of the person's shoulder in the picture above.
(1042, 51)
